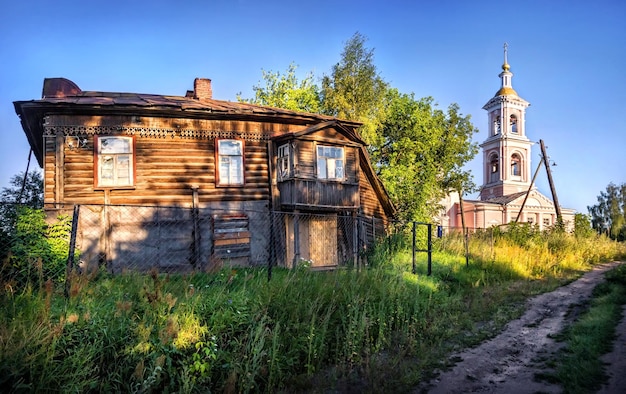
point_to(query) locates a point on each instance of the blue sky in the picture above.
(568, 60)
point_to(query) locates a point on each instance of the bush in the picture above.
(34, 250)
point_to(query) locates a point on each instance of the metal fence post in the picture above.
(430, 248)
(355, 241)
(414, 241)
(70, 255)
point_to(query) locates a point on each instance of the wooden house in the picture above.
(183, 181)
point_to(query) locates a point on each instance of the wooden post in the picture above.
(59, 166)
(196, 228)
(519, 214)
(106, 221)
(559, 218)
(272, 247)
(465, 233)
(296, 238)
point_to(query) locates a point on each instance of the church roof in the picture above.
(506, 91)
(506, 199)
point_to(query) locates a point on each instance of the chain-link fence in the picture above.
(175, 239)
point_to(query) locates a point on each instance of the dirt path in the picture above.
(508, 363)
(617, 361)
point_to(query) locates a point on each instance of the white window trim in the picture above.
(327, 164)
(284, 162)
(219, 181)
(116, 182)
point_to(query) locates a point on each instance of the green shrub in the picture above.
(37, 251)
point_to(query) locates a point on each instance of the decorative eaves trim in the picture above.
(149, 132)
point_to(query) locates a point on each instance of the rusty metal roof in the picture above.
(62, 96)
(58, 92)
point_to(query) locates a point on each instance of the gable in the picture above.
(535, 199)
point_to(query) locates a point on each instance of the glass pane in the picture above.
(229, 147)
(106, 170)
(321, 168)
(231, 171)
(236, 173)
(123, 170)
(106, 162)
(224, 170)
(339, 169)
(330, 164)
(115, 145)
(283, 151)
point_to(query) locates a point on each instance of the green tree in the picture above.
(354, 90)
(286, 91)
(422, 153)
(582, 226)
(609, 214)
(31, 248)
(22, 190)
(418, 150)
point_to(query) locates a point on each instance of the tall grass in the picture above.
(233, 331)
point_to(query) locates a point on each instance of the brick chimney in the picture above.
(202, 89)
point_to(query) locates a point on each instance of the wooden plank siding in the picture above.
(370, 204)
(303, 190)
(169, 213)
(165, 171)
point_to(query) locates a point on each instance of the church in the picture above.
(507, 193)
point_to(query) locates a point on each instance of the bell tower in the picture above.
(506, 151)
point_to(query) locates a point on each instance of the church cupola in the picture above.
(506, 152)
(506, 76)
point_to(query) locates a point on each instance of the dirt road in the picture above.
(508, 363)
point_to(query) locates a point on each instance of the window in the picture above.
(330, 163)
(494, 168)
(513, 122)
(284, 167)
(496, 125)
(115, 162)
(515, 165)
(230, 163)
(546, 221)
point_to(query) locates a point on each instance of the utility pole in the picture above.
(519, 214)
(559, 218)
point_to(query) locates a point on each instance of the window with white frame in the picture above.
(330, 161)
(284, 163)
(115, 162)
(229, 155)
